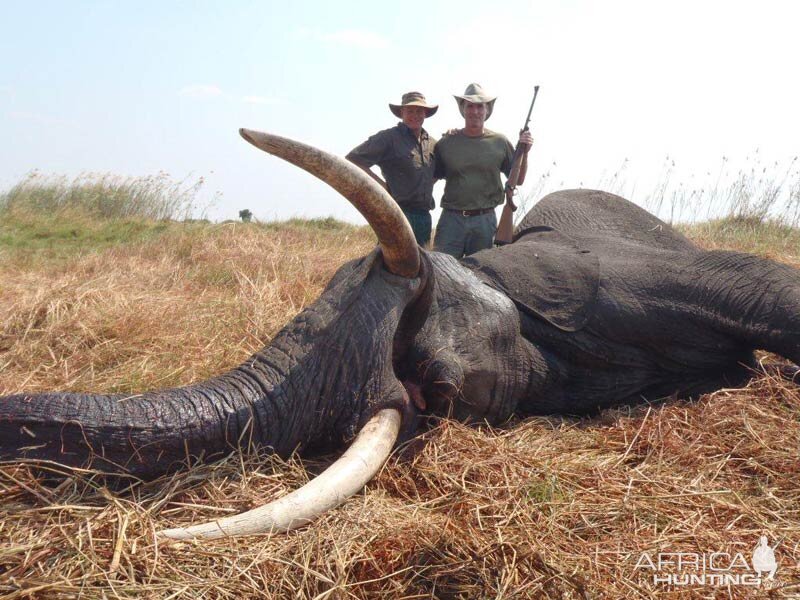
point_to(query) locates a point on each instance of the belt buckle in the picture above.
(466, 213)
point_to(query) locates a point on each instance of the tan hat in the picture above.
(413, 99)
(475, 94)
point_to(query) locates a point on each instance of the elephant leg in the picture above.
(753, 299)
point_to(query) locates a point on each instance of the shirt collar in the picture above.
(423, 135)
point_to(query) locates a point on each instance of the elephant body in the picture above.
(664, 318)
(594, 304)
(613, 306)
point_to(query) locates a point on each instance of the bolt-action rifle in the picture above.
(505, 230)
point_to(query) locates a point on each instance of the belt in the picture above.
(471, 213)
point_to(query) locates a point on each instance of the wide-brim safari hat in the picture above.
(476, 95)
(413, 99)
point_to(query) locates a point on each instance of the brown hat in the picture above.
(413, 99)
(475, 94)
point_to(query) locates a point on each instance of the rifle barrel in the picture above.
(530, 110)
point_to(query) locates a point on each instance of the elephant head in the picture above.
(393, 333)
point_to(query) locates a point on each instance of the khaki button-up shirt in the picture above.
(407, 164)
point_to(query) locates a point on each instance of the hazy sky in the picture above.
(139, 87)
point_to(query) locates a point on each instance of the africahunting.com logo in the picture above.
(710, 568)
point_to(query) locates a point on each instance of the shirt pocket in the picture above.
(407, 155)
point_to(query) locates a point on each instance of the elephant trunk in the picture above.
(151, 433)
(143, 435)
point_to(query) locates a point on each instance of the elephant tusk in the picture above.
(349, 474)
(395, 236)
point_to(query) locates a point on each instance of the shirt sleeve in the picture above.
(371, 152)
(509, 158)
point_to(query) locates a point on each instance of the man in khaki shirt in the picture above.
(471, 161)
(404, 154)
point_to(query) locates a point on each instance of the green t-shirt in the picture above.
(471, 167)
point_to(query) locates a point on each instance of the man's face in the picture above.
(474, 114)
(413, 116)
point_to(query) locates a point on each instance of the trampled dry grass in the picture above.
(541, 508)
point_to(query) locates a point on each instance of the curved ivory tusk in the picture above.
(395, 236)
(331, 488)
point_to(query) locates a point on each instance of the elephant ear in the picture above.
(545, 274)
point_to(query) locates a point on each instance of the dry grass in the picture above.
(190, 303)
(541, 508)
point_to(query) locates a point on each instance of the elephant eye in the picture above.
(442, 378)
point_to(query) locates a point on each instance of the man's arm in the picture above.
(366, 168)
(369, 153)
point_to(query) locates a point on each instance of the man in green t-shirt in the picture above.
(471, 160)
(404, 154)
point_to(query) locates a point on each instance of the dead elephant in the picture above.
(596, 303)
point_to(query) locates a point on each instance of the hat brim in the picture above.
(430, 109)
(487, 100)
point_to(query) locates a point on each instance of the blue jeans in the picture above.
(460, 236)
(420, 221)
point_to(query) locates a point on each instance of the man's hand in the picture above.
(525, 141)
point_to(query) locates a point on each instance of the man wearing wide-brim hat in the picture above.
(404, 154)
(470, 160)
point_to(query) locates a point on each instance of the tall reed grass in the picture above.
(104, 196)
(760, 190)
(756, 192)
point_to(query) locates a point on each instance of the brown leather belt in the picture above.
(471, 213)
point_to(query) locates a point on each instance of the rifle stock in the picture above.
(505, 228)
